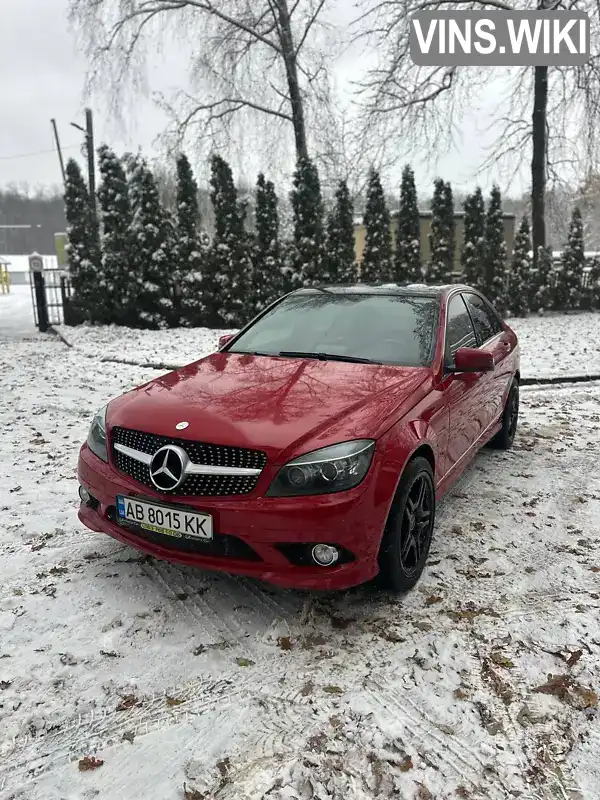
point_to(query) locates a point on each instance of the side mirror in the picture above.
(470, 359)
(223, 340)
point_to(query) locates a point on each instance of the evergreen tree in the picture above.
(441, 238)
(494, 273)
(267, 275)
(341, 253)
(541, 291)
(228, 281)
(408, 233)
(377, 257)
(83, 249)
(153, 249)
(191, 251)
(569, 278)
(472, 255)
(116, 218)
(519, 276)
(309, 238)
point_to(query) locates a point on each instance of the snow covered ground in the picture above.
(481, 683)
(551, 346)
(16, 312)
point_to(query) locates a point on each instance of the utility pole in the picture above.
(89, 126)
(89, 146)
(59, 150)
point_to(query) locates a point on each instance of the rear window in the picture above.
(393, 329)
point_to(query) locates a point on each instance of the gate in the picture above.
(51, 293)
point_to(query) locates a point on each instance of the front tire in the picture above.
(408, 531)
(505, 437)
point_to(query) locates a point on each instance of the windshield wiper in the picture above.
(327, 357)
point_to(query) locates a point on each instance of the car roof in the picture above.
(421, 289)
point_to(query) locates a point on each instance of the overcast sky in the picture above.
(42, 76)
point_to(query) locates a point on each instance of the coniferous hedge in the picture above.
(140, 264)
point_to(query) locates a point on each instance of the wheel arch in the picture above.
(409, 442)
(423, 451)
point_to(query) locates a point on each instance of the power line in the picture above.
(39, 153)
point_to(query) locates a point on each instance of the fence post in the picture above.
(4, 279)
(36, 271)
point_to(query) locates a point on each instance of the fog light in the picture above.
(325, 555)
(84, 494)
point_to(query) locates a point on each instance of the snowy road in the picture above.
(171, 676)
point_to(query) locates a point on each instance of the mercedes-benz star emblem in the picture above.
(167, 468)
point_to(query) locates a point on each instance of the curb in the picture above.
(56, 332)
(142, 364)
(558, 380)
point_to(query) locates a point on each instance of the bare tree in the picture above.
(256, 59)
(550, 113)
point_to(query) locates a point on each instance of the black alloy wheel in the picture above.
(505, 437)
(409, 529)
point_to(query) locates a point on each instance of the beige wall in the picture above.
(509, 236)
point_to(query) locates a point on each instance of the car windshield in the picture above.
(391, 329)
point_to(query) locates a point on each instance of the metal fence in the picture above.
(51, 293)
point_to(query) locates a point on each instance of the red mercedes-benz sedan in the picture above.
(310, 450)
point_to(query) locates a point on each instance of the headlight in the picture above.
(332, 469)
(96, 439)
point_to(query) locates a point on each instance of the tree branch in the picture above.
(236, 104)
(309, 25)
(154, 7)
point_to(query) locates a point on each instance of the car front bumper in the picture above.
(352, 520)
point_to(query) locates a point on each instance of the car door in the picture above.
(492, 337)
(461, 390)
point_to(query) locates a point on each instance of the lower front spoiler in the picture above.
(292, 577)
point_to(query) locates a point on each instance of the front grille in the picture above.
(220, 546)
(199, 453)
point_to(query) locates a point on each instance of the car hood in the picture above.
(283, 406)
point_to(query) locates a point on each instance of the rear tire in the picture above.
(505, 437)
(409, 528)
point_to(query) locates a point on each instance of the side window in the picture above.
(484, 317)
(459, 329)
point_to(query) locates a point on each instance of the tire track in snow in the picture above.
(285, 723)
(228, 719)
(30, 755)
(276, 608)
(213, 606)
(458, 756)
(282, 729)
(202, 614)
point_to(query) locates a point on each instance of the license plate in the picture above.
(168, 520)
